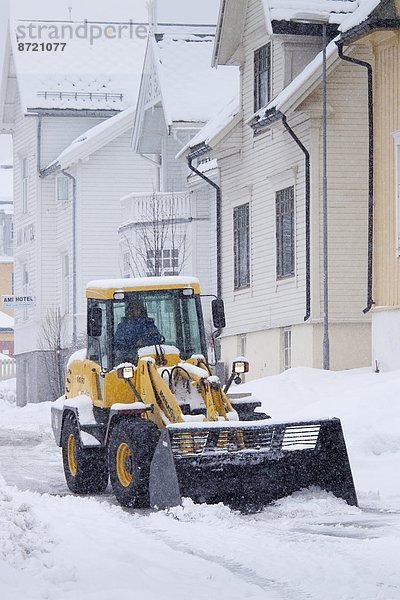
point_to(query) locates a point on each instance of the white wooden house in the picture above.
(179, 93)
(271, 277)
(71, 116)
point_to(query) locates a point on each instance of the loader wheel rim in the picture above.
(73, 468)
(124, 465)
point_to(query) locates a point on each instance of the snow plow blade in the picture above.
(248, 465)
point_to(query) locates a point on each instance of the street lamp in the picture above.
(318, 19)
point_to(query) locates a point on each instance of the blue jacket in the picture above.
(138, 332)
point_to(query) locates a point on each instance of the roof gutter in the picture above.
(370, 25)
(368, 66)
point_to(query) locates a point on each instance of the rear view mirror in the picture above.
(95, 322)
(218, 313)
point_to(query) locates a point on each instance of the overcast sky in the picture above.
(172, 11)
(180, 11)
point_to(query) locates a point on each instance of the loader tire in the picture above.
(130, 451)
(85, 469)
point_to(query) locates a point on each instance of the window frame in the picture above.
(65, 187)
(287, 339)
(262, 63)
(166, 260)
(396, 136)
(281, 271)
(238, 284)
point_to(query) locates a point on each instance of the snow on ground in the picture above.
(309, 546)
(368, 405)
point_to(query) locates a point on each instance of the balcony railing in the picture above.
(159, 206)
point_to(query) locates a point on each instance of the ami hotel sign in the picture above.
(18, 301)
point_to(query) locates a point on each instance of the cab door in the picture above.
(98, 360)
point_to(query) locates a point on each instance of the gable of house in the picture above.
(179, 88)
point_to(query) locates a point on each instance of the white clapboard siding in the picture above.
(204, 255)
(250, 178)
(347, 189)
(174, 172)
(272, 161)
(25, 249)
(111, 173)
(59, 132)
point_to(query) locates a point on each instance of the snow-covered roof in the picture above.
(94, 139)
(191, 90)
(335, 11)
(233, 14)
(6, 322)
(364, 10)
(226, 117)
(102, 75)
(6, 205)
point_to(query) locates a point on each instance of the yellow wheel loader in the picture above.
(143, 408)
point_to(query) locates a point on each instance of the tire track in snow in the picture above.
(280, 591)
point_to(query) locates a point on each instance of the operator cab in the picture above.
(128, 319)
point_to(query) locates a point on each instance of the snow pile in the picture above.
(8, 391)
(368, 406)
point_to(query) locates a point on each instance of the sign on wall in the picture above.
(14, 302)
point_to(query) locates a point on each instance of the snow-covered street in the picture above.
(311, 545)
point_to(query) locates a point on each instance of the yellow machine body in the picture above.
(165, 424)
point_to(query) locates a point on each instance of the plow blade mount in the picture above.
(248, 465)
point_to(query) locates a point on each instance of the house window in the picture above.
(163, 262)
(65, 284)
(62, 186)
(24, 179)
(287, 348)
(262, 77)
(285, 233)
(241, 246)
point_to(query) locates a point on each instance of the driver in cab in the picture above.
(135, 330)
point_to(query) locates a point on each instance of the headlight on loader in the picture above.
(126, 372)
(240, 367)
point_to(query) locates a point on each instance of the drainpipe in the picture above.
(308, 228)
(361, 63)
(74, 285)
(39, 146)
(218, 211)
